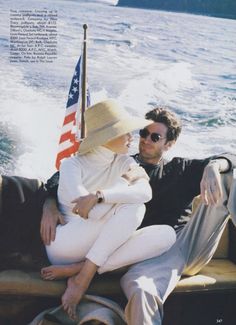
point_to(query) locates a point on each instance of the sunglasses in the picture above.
(155, 137)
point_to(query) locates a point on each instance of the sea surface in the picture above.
(143, 58)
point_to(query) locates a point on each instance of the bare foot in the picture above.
(76, 287)
(54, 272)
(72, 296)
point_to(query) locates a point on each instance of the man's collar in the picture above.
(144, 164)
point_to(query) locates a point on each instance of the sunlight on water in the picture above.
(143, 58)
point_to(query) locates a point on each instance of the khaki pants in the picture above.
(148, 284)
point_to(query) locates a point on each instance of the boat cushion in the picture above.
(219, 274)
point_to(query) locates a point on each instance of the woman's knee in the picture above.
(132, 213)
(169, 235)
(161, 236)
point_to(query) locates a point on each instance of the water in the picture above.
(142, 58)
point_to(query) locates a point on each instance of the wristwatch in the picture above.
(99, 196)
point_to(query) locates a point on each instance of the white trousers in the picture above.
(112, 241)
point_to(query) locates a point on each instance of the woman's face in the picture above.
(120, 145)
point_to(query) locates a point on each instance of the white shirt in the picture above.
(100, 169)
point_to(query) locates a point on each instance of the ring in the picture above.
(77, 211)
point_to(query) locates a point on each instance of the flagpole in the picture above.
(84, 79)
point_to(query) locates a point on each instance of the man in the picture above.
(174, 185)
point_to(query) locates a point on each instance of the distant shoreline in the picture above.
(168, 7)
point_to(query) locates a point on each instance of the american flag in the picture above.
(70, 134)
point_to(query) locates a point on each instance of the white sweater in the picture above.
(100, 169)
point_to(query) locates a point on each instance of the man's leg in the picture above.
(202, 234)
(148, 284)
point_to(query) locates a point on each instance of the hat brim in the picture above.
(109, 133)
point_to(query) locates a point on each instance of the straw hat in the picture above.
(106, 121)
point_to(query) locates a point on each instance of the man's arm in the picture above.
(51, 215)
(52, 185)
(211, 189)
(50, 218)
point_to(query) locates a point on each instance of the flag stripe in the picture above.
(69, 142)
(67, 136)
(68, 127)
(65, 145)
(69, 118)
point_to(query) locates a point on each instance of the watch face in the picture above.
(99, 196)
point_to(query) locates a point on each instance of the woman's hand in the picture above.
(84, 204)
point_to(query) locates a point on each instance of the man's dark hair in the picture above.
(169, 119)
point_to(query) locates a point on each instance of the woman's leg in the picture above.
(54, 272)
(73, 241)
(76, 287)
(116, 231)
(78, 237)
(146, 243)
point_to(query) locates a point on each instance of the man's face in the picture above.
(151, 152)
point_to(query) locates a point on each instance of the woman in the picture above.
(111, 189)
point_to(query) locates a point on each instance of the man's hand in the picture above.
(211, 189)
(50, 218)
(134, 174)
(84, 204)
